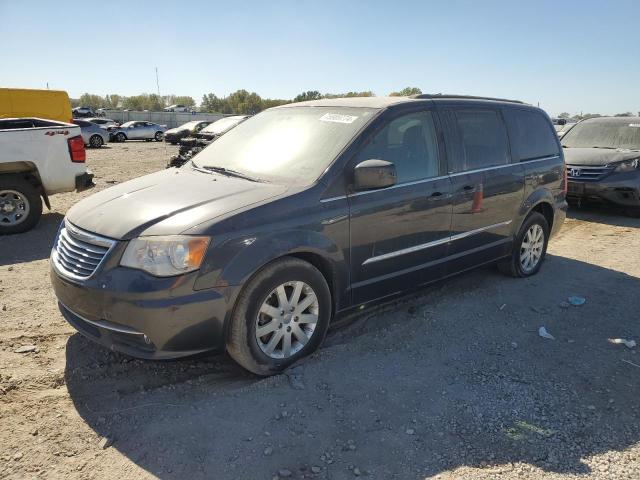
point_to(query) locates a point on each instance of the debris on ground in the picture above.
(25, 349)
(623, 341)
(105, 443)
(576, 300)
(542, 331)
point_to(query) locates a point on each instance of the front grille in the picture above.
(77, 253)
(585, 173)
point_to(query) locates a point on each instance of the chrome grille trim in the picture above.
(77, 254)
(588, 173)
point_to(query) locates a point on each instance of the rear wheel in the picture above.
(96, 141)
(20, 205)
(158, 136)
(529, 249)
(281, 316)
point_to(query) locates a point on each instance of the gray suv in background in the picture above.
(306, 211)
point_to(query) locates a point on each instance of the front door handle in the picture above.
(469, 188)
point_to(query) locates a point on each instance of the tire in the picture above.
(17, 194)
(516, 265)
(250, 351)
(121, 137)
(95, 141)
(158, 136)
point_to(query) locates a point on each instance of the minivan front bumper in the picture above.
(143, 316)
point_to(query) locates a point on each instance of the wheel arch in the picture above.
(540, 201)
(27, 171)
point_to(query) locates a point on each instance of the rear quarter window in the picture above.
(531, 134)
(484, 138)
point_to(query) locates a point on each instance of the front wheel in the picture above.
(121, 137)
(158, 136)
(529, 249)
(281, 316)
(20, 205)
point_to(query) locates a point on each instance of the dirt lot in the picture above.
(451, 382)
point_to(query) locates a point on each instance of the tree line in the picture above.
(578, 117)
(238, 102)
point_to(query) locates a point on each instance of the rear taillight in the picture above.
(566, 181)
(76, 149)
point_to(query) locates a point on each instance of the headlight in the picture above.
(628, 165)
(165, 256)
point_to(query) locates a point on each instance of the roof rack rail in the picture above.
(468, 97)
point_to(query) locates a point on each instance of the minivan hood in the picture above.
(597, 156)
(166, 203)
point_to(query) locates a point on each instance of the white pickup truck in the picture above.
(37, 158)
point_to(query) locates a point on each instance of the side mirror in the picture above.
(373, 174)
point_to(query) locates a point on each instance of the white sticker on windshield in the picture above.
(634, 125)
(337, 118)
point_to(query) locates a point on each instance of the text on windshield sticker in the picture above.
(337, 118)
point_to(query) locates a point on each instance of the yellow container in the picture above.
(48, 104)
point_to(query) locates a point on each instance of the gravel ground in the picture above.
(449, 382)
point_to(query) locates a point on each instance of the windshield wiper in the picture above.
(606, 148)
(229, 172)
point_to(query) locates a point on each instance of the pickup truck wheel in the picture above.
(121, 137)
(20, 205)
(529, 248)
(281, 316)
(158, 136)
(96, 141)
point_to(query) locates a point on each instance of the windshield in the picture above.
(293, 144)
(127, 124)
(604, 133)
(222, 125)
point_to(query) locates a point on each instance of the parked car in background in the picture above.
(82, 112)
(603, 156)
(191, 146)
(50, 104)
(137, 130)
(562, 125)
(177, 108)
(102, 122)
(302, 212)
(174, 135)
(39, 158)
(92, 134)
(101, 112)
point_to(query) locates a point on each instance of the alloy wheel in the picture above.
(531, 248)
(287, 319)
(14, 207)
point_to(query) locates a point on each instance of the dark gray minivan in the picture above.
(305, 211)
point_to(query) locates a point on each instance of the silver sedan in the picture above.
(138, 130)
(92, 134)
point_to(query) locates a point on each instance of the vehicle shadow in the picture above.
(605, 214)
(32, 245)
(450, 377)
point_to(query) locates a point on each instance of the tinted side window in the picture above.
(484, 138)
(531, 134)
(409, 142)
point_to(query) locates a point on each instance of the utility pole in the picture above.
(157, 81)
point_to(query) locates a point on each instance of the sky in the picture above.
(573, 56)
